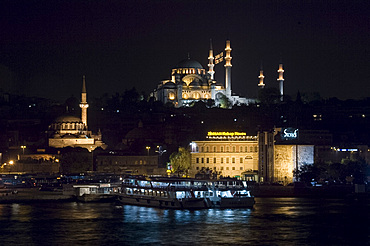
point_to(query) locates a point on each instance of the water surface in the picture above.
(272, 221)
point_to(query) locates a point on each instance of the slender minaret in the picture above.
(261, 77)
(281, 81)
(83, 104)
(211, 59)
(228, 68)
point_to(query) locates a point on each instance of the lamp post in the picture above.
(23, 147)
(147, 148)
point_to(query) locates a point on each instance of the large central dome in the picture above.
(189, 63)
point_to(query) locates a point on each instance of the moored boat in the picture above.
(185, 193)
(163, 193)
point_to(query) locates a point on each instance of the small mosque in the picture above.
(72, 131)
(191, 82)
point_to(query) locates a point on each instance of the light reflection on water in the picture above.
(272, 221)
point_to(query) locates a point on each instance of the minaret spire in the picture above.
(228, 68)
(211, 65)
(281, 80)
(84, 105)
(261, 77)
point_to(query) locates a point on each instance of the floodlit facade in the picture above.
(282, 152)
(230, 154)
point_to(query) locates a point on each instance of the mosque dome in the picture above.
(189, 63)
(67, 124)
(68, 119)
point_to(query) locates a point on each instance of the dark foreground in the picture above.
(272, 221)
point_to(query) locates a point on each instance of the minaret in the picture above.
(261, 77)
(228, 68)
(281, 81)
(83, 104)
(211, 59)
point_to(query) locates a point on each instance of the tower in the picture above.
(211, 58)
(228, 68)
(261, 77)
(83, 104)
(281, 81)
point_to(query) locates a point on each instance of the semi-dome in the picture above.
(169, 85)
(68, 119)
(189, 63)
(195, 83)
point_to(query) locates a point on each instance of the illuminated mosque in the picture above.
(191, 82)
(72, 131)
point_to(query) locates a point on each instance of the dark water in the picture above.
(273, 221)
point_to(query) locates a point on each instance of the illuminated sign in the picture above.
(219, 58)
(289, 133)
(227, 134)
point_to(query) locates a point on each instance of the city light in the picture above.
(147, 148)
(23, 147)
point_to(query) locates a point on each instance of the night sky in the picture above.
(46, 46)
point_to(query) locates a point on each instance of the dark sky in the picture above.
(46, 46)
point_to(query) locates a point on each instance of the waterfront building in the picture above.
(281, 152)
(72, 131)
(260, 158)
(230, 154)
(129, 164)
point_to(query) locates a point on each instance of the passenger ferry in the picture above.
(185, 193)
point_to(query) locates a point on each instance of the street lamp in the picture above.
(23, 147)
(147, 148)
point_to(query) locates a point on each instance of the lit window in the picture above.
(234, 149)
(221, 168)
(227, 168)
(227, 149)
(233, 160)
(233, 168)
(171, 96)
(222, 149)
(227, 160)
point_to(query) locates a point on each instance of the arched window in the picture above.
(171, 95)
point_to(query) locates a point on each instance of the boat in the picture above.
(185, 193)
(162, 193)
(230, 194)
(92, 192)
